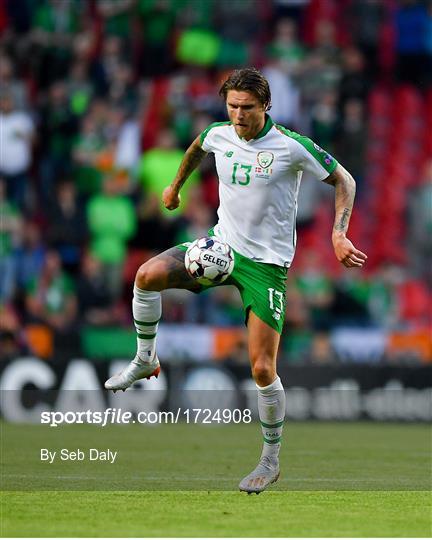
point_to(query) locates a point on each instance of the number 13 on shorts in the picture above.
(276, 303)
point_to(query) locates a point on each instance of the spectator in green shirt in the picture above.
(116, 16)
(53, 27)
(89, 145)
(112, 221)
(159, 165)
(51, 297)
(9, 224)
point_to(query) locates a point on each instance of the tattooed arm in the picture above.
(344, 185)
(192, 158)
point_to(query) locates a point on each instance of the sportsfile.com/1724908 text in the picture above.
(112, 416)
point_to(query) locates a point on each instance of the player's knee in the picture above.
(147, 276)
(263, 371)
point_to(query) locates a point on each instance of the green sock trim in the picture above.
(278, 424)
(145, 336)
(272, 441)
(142, 323)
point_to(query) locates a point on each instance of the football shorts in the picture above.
(262, 288)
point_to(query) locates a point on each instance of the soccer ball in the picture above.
(209, 261)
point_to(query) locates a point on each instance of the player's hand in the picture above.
(170, 198)
(347, 253)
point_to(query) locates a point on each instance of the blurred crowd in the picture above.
(100, 98)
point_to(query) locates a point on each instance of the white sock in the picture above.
(271, 407)
(147, 311)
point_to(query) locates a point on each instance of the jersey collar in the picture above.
(267, 127)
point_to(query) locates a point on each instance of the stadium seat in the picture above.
(407, 100)
(152, 121)
(379, 127)
(380, 103)
(134, 259)
(414, 302)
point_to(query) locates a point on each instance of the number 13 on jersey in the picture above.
(238, 169)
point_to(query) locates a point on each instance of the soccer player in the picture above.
(259, 165)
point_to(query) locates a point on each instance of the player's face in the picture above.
(246, 113)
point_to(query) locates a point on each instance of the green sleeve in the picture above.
(326, 160)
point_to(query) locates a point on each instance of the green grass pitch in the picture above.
(337, 479)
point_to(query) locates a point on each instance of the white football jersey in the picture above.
(259, 181)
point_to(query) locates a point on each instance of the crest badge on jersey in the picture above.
(265, 159)
(263, 170)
